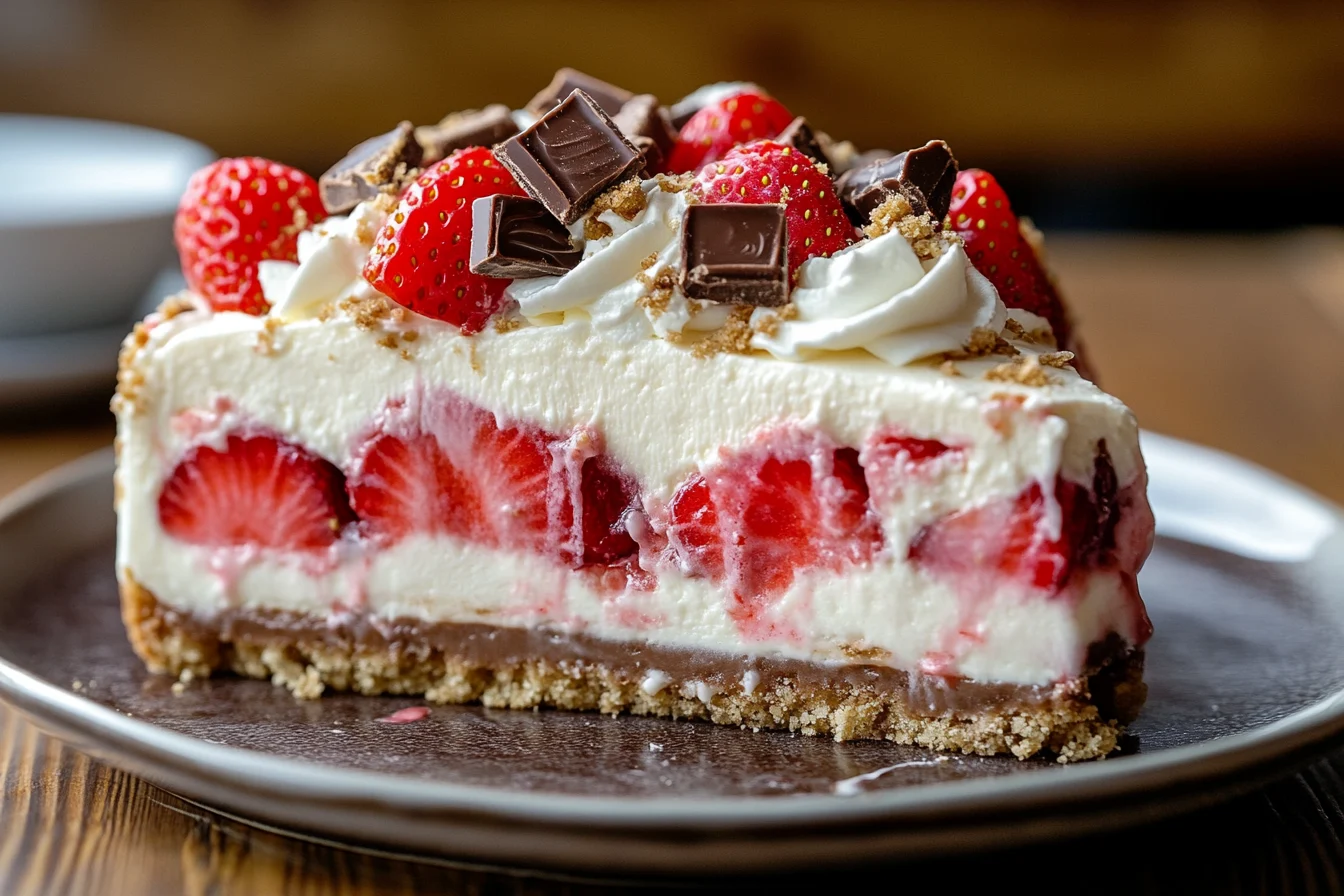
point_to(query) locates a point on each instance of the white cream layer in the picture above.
(661, 412)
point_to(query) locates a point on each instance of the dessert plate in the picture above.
(1245, 587)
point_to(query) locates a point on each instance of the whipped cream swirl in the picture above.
(878, 296)
(330, 266)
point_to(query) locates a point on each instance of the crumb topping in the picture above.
(507, 323)
(734, 336)
(265, 344)
(626, 200)
(674, 183)
(372, 312)
(921, 231)
(660, 290)
(1025, 371)
(983, 343)
(767, 323)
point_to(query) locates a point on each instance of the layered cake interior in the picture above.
(600, 404)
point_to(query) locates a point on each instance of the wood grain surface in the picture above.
(1235, 343)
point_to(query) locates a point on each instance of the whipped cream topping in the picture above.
(877, 295)
(329, 270)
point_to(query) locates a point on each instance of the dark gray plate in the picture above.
(1246, 589)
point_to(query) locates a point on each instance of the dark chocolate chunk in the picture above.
(609, 97)
(735, 252)
(462, 129)
(642, 116)
(514, 236)
(569, 156)
(799, 135)
(924, 176)
(376, 163)
(649, 151)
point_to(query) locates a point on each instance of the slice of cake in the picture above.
(566, 407)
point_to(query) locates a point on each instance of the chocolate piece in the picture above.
(649, 151)
(799, 135)
(924, 176)
(609, 97)
(569, 156)
(462, 129)
(514, 236)
(735, 252)
(642, 117)
(376, 163)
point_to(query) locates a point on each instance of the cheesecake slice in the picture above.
(568, 408)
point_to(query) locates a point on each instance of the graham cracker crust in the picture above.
(1071, 721)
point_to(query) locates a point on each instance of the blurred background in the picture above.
(1183, 157)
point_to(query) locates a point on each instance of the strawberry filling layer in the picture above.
(752, 521)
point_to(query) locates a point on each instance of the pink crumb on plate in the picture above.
(405, 716)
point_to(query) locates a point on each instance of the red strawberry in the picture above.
(982, 216)
(455, 471)
(258, 491)
(1009, 537)
(767, 172)
(235, 213)
(453, 468)
(718, 127)
(420, 258)
(891, 457)
(792, 502)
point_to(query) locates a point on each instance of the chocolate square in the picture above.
(609, 97)
(516, 237)
(924, 176)
(485, 127)
(643, 116)
(572, 154)
(800, 136)
(372, 165)
(735, 253)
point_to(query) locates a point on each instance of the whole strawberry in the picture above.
(714, 130)
(768, 172)
(981, 214)
(235, 213)
(421, 256)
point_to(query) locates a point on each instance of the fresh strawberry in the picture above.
(235, 213)
(420, 257)
(455, 471)
(608, 494)
(981, 214)
(449, 467)
(793, 501)
(891, 458)
(768, 172)
(718, 127)
(257, 491)
(1010, 536)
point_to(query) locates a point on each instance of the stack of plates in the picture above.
(85, 246)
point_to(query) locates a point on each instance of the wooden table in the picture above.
(1237, 343)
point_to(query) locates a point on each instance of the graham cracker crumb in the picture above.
(1055, 359)
(178, 303)
(948, 368)
(983, 343)
(1038, 336)
(507, 324)
(674, 183)
(385, 203)
(265, 344)
(734, 336)
(370, 312)
(921, 231)
(388, 340)
(129, 377)
(406, 356)
(626, 199)
(648, 261)
(768, 324)
(1025, 371)
(660, 291)
(410, 335)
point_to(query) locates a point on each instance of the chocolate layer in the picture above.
(1110, 663)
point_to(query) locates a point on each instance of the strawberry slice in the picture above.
(235, 213)
(981, 214)
(794, 501)
(718, 127)
(450, 467)
(454, 471)
(1010, 536)
(767, 172)
(259, 491)
(891, 458)
(421, 256)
